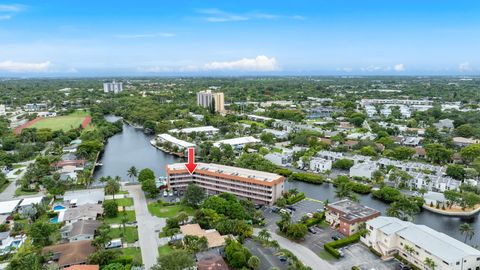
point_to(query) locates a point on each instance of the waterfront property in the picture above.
(169, 139)
(349, 216)
(420, 245)
(260, 187)
(238, 143)
(208, 130)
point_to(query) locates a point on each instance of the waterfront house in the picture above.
(364, 170)
(83, 212)
(320, 165)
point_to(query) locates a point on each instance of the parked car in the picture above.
(165, 193)
(335, 237)
(115, 243)
(291, 208)
(342, 254)
(311, 230)
(170, 194)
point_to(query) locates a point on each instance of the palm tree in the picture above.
(430, 263)
(409, 249)
(344, 191)
(112, 186)
(467, 230)
(124, 222)
(132, 172)
(264, 235)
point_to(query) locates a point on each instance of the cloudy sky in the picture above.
(358, 37)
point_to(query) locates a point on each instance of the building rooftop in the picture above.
(213, 237)
(351, 211)
(84, 227)
(70, 253)
(194, 129)
(83, 267)
(229, 170)
(237, 141)
(212, 262)
(438, 244)
(31, 200)
(170, 138)
(80, 197)
(87, 210)
(8, 207)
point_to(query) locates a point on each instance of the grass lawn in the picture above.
(4, 186)
(164, 250)
(168, 211)
(326, 256)
(133, 252)
(131, 234)
(20, 192)
(65, 123)
(118, 218)
(124, 201)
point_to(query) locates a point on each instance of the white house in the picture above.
(415, 243)
(209, 130)
(320, 165)
(279, 134)
(365, 170)
(237, 143)
(279, 159)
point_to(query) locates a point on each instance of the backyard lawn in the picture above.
(118, 218)
(133, 252)
(164, 250)
(124, 201)
(168, 211)
(131, 234)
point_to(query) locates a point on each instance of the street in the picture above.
(148, 227)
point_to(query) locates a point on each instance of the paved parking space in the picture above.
(323, 234)
(359, 255)
(304, 207)
(266, 255)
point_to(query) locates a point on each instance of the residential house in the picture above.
(80, 230)
(70, 254)
(83, 267)
(444, 124)
(320, 165)
(279, 159)
(238, 143)
(215, 240)
(82, 212)
(211, 261)
(462, 142)
(279, 134)
(85, 196)
(364, 170)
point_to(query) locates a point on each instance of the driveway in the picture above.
(148, 227)
(305, 255)
(359, 255)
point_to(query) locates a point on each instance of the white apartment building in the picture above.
(279, 159)
(320, 164)
(257, 186)
(430, 182)
(205, 99)
(415, 243)
(113, 87)
(364, 170)
(209, 130)
(279, 134)
(396, 101)
(181, 144)
(237, 143)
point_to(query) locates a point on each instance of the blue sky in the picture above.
(85, 38)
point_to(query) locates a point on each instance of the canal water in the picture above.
(132, 147)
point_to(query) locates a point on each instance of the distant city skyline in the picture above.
(223, 38)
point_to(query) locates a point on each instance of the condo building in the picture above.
(114, 87)
(205, 99)
(257, 186)
(419, 245)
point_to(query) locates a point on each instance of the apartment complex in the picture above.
(114, 87)
(259, 187)
(420, 245)
(348, 216)
(205, 99)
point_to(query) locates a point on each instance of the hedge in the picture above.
(294, 199)
(317, 218)
(331, 247)
(307, 177)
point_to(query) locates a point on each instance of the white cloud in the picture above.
(11, 66)
(371, 68)
(399, 67)
(151, 35)
(259, 63)
(11, 8)
(465, 66)
(5, 17)
(217, 15)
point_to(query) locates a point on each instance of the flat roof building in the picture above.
(181, 144)
(238, 142)
(390, 236)
(206, 129)
(257, 186)
(348, 216)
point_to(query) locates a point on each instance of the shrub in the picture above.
(110, 208)
(307, 177)
(294, 199)
(331, 247)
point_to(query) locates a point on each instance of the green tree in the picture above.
(112, 186)
(254, 262)
(150, 187)
(467, 230)
(471, 152)
(132, 172)
(42, 233)
(404, 208)
(438, 153)
(456, 171)
(430, 263)
(343, 164)
(297, 231)
(267, 138)
(27, 260)
(194, 195)
(175, 260)
(264, 235)
(146, 174)
(110, 208)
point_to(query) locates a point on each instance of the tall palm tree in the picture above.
(409, 249)
(132, 172)
(264, 235)
(430, 263)
(467, 230)
(111, 187)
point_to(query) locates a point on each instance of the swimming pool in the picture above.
(59, 207)
(54, 220)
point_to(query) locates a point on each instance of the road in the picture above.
(305, 255)
(9, 192)
(148, 227)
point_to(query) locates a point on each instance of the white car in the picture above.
(165, 193)
(170, 194)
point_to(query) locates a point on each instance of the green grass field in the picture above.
(65, 123)
(118, 219)
(168, 211)
(131, 234)
(133, 252)
(164, 250)
(123, 201)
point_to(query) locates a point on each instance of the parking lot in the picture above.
(266, 255)
(359, 255)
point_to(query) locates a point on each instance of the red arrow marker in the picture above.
(191, 165)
